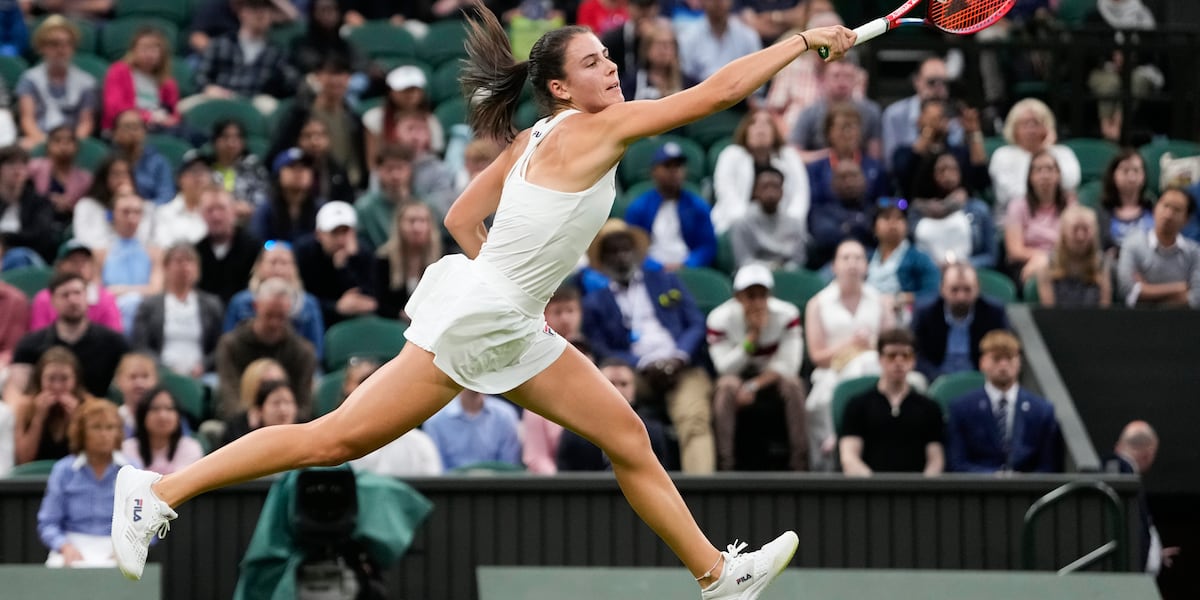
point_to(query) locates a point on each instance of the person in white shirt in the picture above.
(755, 345)
(1028, 128)
(180, 220)
(757, 142)
(182, 325)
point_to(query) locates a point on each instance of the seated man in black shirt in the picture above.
(892, 428)
(335, 266)
(98, 348)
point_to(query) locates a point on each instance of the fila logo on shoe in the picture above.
(137, 510)
(744, 578)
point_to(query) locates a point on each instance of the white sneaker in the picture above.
(138, 515)
(745, 576)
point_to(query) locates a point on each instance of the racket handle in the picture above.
(867, 32)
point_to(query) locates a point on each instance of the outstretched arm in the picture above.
(630, 121)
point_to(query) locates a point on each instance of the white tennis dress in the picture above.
(482, 318)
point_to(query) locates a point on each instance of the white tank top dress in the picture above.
(482, 318)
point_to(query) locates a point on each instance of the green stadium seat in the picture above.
(714, 152)
(947, 388)
(1093, 154)
(169, 146)
(11, 68)
(1152, 153)
(329, 393)
(714, 128)
(93, 65)
(373, 337)
(184, 77)
(527, 115)
(30, 280)
(381, 38)
(444, 83)
(1029, 293)
(258, 146)
(997, 286)
(175, 11)
(488, 467)
(387, 63)
(117, 34)
(636, 164)
(797, 286)
(91, 152)
(190, 394)
(724, 261)
(37, 468)
(87, 36)
(1089, 194)
(1073, 12)
(445, 42)
(451, 112)
(284, 34)
(990, 144)
(844, 392)
(708, 287)
(202, 116)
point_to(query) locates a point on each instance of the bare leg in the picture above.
(401, 395)
(573, 393)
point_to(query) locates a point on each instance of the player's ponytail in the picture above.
(492, 78)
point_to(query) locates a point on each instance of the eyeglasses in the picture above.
(888, 202)
(273, 244)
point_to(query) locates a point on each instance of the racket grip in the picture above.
(867, 32)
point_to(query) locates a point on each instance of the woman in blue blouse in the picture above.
(76, 513)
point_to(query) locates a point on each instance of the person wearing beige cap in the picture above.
(336, 267)
(407, 92)
(755, 344)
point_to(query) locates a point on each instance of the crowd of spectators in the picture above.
(226, 265)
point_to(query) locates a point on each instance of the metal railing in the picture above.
(1116, 520)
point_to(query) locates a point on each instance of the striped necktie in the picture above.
(1002, 424)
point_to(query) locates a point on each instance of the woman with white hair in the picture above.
(1028, 129)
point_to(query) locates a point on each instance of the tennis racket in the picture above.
(960, 17)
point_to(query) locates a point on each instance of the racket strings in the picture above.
(966, 16)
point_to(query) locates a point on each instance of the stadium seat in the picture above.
(1089, 194)
(117, 34)
(1029, 294)
(1073, 12)
(37, 468)
(190, 394)
(844, 392)
(175, 11)
(169, 146)
(991, 143)
(488, 467)
(1152, 153)
(284, 34)
(329, 393)
(93, 65)
(797, 287)
(373, 337)
(451, 112)
(714, 152)
(87, 35)
(202, 116)
(1093, 154)
(714, 128)
(444, 83)
(387, 63)
(30, 280)
(708, 287)
(444, 43)
(527, 115)
(724, 261)
(258, 146)
(947, 388)
(997, 286)
(184, 77)
(380, 38)
(91, 152)
(636, 164)
(11, 68)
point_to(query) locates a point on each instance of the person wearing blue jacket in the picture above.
(896, 266)
(678, 221)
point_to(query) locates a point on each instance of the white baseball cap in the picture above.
(751, 275)
(406, 76)
(336, 214)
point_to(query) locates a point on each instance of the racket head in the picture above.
(963, 17)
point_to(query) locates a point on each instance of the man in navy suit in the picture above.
(649, 320)
(1002, 427)
(949, 328)
(1134, 453)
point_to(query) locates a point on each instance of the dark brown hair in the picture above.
(492, 78)
(1110, 198)
(739, 134)
(898, 336)
(1060, 194)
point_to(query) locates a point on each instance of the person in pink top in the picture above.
(75, 257)
(142, 80)
(602, 15)
(158, 440)
(1031, 223)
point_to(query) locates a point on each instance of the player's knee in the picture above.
(627, 442)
